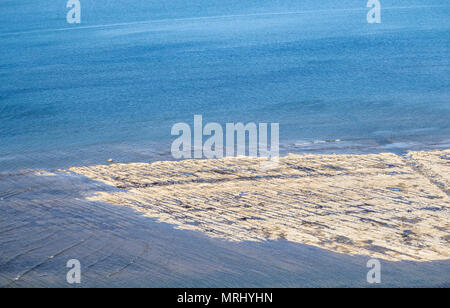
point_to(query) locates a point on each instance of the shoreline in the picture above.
(137, 151)
(49, 214)
(385, 205)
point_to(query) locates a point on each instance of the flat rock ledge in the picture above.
(382, 205)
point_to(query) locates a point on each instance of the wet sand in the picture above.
(51, 217)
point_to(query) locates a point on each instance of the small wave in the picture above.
(307, 143)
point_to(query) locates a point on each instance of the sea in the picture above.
(114, 85)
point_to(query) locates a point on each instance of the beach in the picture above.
(230, 223)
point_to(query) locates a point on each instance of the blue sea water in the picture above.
(114, 85)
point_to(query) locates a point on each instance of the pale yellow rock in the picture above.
(380, 205)
(435, 165)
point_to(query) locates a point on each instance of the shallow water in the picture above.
(115, 85)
